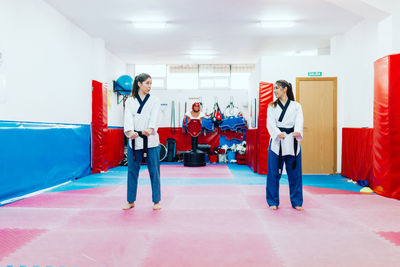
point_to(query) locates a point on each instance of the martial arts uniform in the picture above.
(139, 116)
(284, 119)
(189, 114)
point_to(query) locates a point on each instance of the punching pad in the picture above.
(194, 127)
(195, 157)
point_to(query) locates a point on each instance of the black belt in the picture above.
(295, 145)
(145, 145)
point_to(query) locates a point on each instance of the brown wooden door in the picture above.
(318, 100)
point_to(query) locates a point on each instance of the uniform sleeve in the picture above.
(298, 125)
(271, 124)
(154, 115)
(128, 117)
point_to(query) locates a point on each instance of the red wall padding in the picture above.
(107, 144)
(183, 141)
(115, 147)
(251, 148)
(99, 127)
(386, 137)
(265, 97)
(357, 153)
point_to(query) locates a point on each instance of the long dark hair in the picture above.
(289, 91)
(139, 78)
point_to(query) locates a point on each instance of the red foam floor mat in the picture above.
(56, 200)
(199, 249)
(393, 237)
(13, 239)
(204, 225)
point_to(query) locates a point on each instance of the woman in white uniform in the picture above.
(285, 126)
(140, 126)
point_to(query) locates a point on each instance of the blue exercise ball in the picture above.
(124, 84)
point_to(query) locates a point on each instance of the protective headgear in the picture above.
(196, 105)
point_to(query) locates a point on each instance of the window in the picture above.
(240, 75)
(158, 74)
(194, 76)
(183, 77)
(214, 76)
(153, 70)
(214, 70)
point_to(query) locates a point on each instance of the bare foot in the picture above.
(273, 207)
(299, 208)
(157, 206)
(129, 206)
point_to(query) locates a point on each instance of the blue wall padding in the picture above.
(35, 156)
(224, 141)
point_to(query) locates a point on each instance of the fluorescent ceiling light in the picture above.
(202, 52)
(193, 56)
(149, 25)
(277, 24)
(312, 52)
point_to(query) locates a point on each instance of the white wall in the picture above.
(114, 68)
(48, 64)
(275, 68)
(388, 37)
(385, 37)
(207, 97)
(288, 68)
(355, 53)
(352, 60)
(392, 24)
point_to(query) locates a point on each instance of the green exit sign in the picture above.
(315, 74)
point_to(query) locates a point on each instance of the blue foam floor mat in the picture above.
(242, 175)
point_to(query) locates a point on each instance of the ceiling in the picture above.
(228, 29)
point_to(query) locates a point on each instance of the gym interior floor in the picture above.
(211, 216)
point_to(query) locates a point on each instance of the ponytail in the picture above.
(289, 92)
(274, 104)
(139, 78)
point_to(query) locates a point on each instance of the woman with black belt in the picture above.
(285, 126)
(140, 126)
